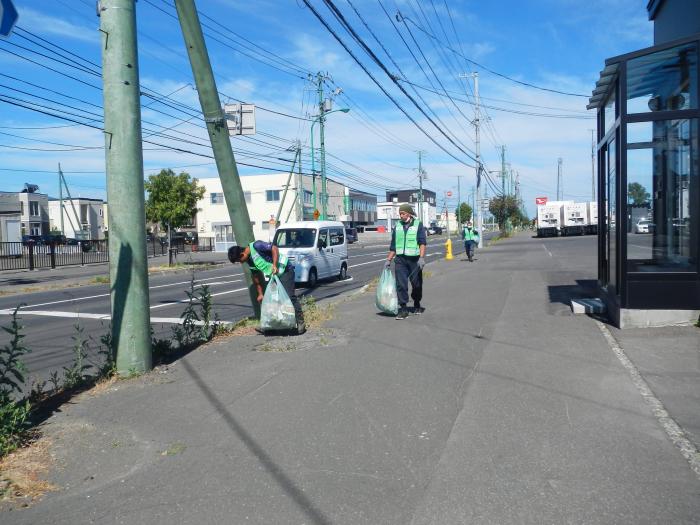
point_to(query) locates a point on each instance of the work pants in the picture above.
(407, 269)
(287, 280)
(469, 247)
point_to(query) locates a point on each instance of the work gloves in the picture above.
(421, 263)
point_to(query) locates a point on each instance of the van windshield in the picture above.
(295, 238)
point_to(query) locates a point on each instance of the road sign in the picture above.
(540, 201)
(317, 214)
(8, 17)
(449, 194)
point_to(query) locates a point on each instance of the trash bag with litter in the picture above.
(387, 301)
(276, 310)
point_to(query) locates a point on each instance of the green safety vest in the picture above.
(407, 241)
(264, 266)
(470, 234)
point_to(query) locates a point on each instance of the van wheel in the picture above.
(343, 272)
(313, 278)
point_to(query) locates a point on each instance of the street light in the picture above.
(320, 119)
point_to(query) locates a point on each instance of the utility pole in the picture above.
(560, 180)
(218, 133)
(593, 165)
(477, 144)
(300, 185)
(503, 170)
(420, 185)
(459, 203)
(128, 275)
(60, 196)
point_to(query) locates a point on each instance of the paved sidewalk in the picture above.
(496, 406)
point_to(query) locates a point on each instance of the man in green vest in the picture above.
(471, 240)
(264, 260)
(407, 250)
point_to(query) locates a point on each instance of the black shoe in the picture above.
(403, 313)
(471, 259)
(418, 309)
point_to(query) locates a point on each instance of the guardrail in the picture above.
(31, 255)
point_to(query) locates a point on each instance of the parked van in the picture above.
(317, 249)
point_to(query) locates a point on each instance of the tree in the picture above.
(172, 199)
(637, 194)
(504, 208)
(464, 212)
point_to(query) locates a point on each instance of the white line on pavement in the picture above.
(99, 317)
(545, 249)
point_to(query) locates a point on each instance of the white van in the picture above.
(317, 249)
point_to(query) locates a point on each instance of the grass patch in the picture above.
(100, 279)
(314, 316)
(23, 472)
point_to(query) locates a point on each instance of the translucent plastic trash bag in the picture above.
(276, 310)
(387, 301)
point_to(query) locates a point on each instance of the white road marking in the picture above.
(672, 429)
(545, 249)
(76, 299)
(99, 317)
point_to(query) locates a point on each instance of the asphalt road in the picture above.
(51, 318)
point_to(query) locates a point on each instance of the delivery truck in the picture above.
(548, 219)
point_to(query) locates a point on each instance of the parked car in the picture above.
(351, 234)
(318, 249)
(32, 239)
(644, 226)
(434, 229)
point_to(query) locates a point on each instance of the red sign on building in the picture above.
(540, 200)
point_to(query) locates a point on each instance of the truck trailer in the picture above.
(548, 219)
(592, 225)
(574, 217)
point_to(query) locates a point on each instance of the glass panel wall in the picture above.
(611, 209)
(664, 80)
(610, 112)
(662, 166)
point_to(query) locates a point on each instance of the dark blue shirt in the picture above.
(265, 250)
(422, 237)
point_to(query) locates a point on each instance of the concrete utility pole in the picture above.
(128, 268)
(420, 185)
(593, 165)
(459, 202)
(560, 180)
(218, 132)
(60, 196)
(503, 170)
(477, 144)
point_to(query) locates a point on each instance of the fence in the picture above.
(31, 256)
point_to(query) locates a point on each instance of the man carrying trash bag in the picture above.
(264, 261)
(407, 249)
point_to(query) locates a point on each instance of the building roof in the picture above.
(653, 7)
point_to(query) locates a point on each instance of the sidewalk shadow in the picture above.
(314, 514)
(584, 288)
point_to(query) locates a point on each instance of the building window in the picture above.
(272, 195)
(223, 233)
(33, 208)
(217, 198)
(307, 197)
(34, 228)
(247, 196)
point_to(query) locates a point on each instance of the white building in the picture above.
(35, 212)
(82, 217)
(389, 211)
(263, 195)
(10, 219)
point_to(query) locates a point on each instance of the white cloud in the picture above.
(51, 25)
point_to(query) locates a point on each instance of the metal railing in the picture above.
(31, 255)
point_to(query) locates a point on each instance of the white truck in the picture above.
(549, 219)
(574, 217)
(592, 225)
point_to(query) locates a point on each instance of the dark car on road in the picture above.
(351, 234)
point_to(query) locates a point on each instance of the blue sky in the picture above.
(262, 53)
